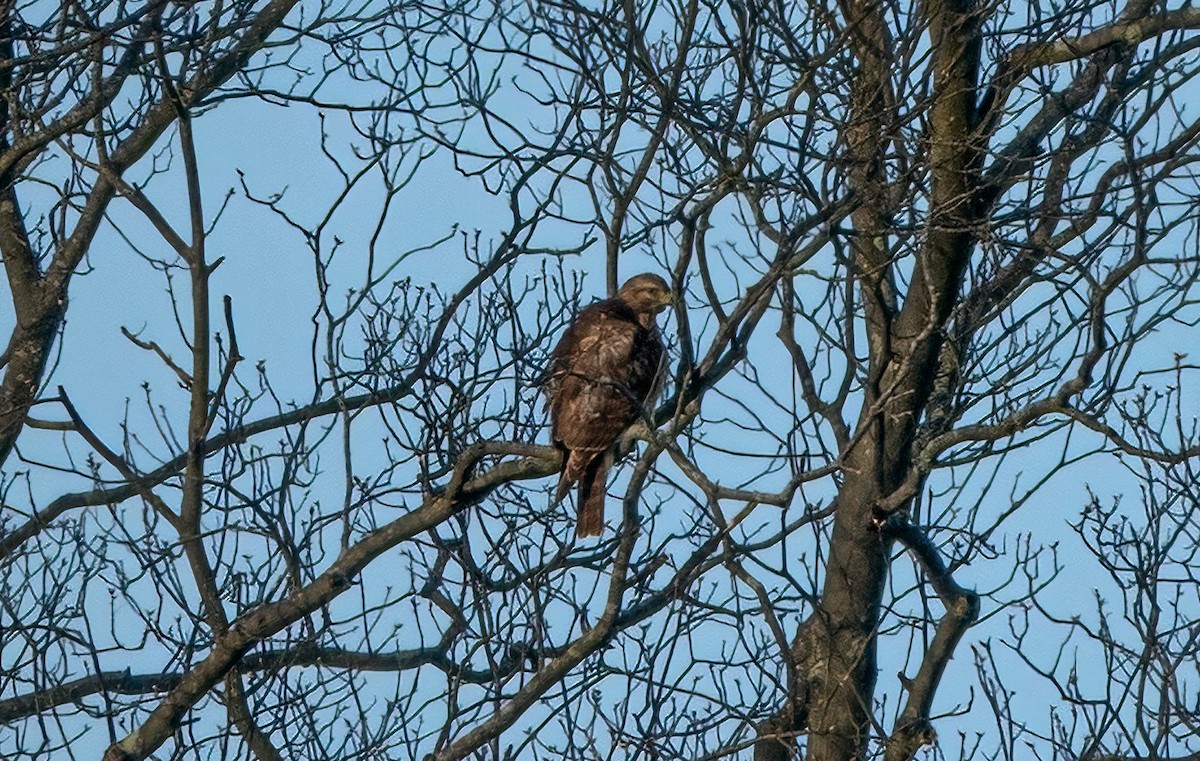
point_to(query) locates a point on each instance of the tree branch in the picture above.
(913, 729)
(1025, 58)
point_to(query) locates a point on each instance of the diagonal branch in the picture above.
(913, 728)
(1133, 31)
(463, 490)
(40, 320)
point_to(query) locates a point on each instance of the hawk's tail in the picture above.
(591, 499)
(589, 469)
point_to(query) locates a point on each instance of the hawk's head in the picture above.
(646, 293)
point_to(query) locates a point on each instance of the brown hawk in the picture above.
(601, 374)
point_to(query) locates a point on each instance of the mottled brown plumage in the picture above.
(602, 373)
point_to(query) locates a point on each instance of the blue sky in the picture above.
(268, 272)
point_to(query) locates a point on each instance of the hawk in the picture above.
(602, 372)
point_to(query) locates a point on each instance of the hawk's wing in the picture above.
(592, 400)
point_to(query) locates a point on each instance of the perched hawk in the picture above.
(602, 372)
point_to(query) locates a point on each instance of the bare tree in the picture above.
(938, 268)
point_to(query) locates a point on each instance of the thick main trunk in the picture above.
(28, 349)
(843, 636)
(903, 344)
(38, 310)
